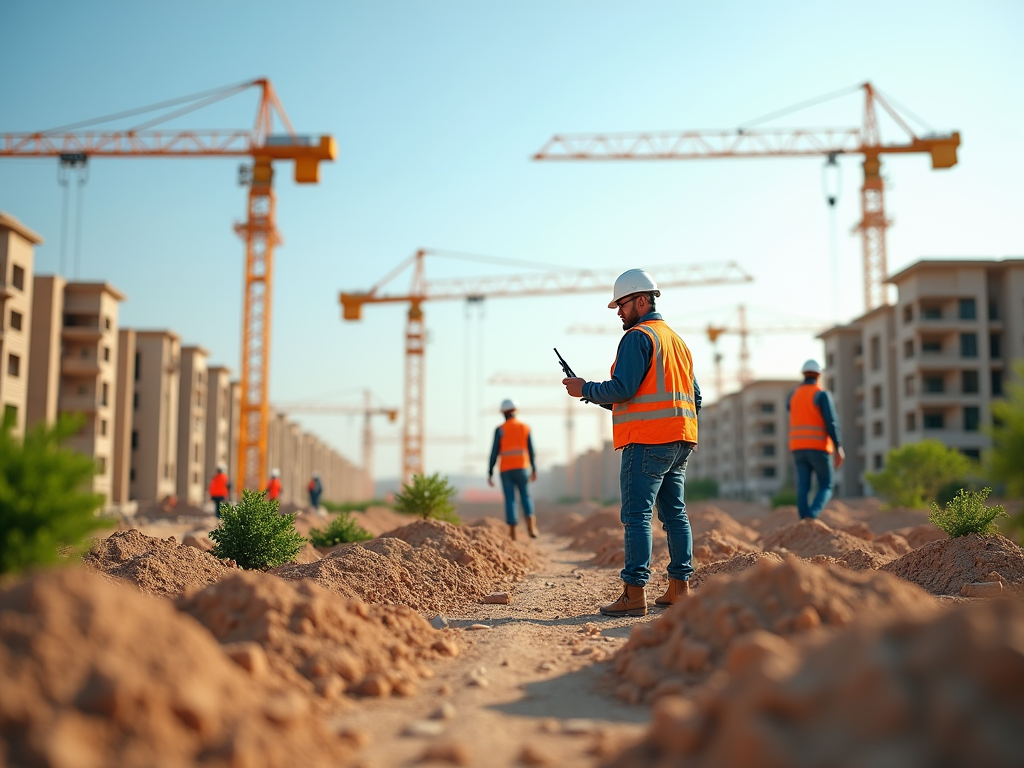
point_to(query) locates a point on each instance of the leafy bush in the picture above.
(351, 506)
(966, 513)
(568, 499)
(704, 488)
(254, 535)
(915, 473)
(341, 530)
(42, 502)
(786, 497)
(428, 497)
(1003, 461)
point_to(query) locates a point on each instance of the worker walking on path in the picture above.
(655, 400)
(220, 489)
(813, 435)
(512, 442)
(274, 485)
(315, 488)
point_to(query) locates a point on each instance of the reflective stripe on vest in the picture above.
(514, 446)
(662, 409)
(807, 430)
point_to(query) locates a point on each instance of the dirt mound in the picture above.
(430, 566)
(692, 638)
(705, 518)
(734, 564)
(919, 535)
(93, 674)
(714, 545)
(308, 554)
(937, 691)
(777, 518)
(317, 643)
(808, 538)
(156, 566)
(604, 518)
(942, 567)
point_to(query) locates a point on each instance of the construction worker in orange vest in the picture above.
(512, 442)
(220, 487)
(274, 485)
(655, 401)
(813, 435)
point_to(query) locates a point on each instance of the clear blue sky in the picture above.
(437, 107)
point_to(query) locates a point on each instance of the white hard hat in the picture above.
(811, 366)
(220, 468)
(508, 405)
(275, 472)
(632, 281)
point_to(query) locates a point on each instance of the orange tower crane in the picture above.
(554, 283)
(74, 147)
(781, 142)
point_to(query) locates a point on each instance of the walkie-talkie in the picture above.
(570, 375)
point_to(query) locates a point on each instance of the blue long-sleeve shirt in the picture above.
(636, 350)
(496, 449)
(823, 402)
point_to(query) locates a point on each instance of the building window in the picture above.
(876, 396)
(106, 393)
(997, 383)
(830, 360)
(103, 427)
(972, 418)
(137, 366)
(135, 401)
(971, 453)
(768, 450)
(830, 383)
(767, 429)
(101, 464)
(908, 313)
(934, 384)
(908, 348)
(931, 346)
(106, 354)
(993, 311)
(931, 313)
(968, 345)
(84, 352)
(135, 439)
(911, 421)
(876, 429)
(767, 471)
(934, 420)
(195, 452)
(10, 415)
(131, 474)
(878, 461)
(995, 346)
(106, 323)
(13, 366)
(82, 390)
(908, 385)
(969, 382)
(18, 277)
(876, 353)
(15, 320)
(767, 407)
(195, 477)
(967, 309)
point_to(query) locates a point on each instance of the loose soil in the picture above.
(943, 567)
(808, 538)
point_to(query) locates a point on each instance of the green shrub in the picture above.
(568, 500)
(428, 497)
(915, 473)
(42, 502)
(786, 497)
(704, 488)
(352, 506)
(966, 513)
(1003, 461)
(341, 530)
(254, 534)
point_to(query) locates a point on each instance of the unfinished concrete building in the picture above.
(45, 350)
(218, 422)
(124, 414)
(154, 437)
(17, 259)
(192, 405)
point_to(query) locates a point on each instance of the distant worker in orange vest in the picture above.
(220, 488)
(655, 401)
(274, 485)
(512, 442)
(813, 435)
(315, 488)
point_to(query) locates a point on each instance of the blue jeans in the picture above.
(510, 480)
(820, 464)
(217, 501)
(314, 499)
(655, 474)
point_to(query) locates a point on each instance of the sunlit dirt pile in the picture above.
(943, 690)
(680, 649)
(156, 566)
(733, 565)
(808, 538)
(706, 517)
(431, 566)
(943, 567)
(919, 535)
(315, 642)
(94, 674)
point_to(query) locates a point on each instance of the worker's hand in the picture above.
(839, 457)
(533, 476)
(490, 480)
(574, 386)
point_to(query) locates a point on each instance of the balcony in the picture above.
(77, 403)
(79, 366)
(82, 332)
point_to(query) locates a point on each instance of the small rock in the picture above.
(424, 728)
(549, 725)
(356, 737)
(982, 589)
(504, 662)
(497, 598)
(439, 622)
(577, 726)
(445, 712)
(546, 666)
(249, 656)
(444, 690)
(531, 755)
(473, 627)
(452, 752)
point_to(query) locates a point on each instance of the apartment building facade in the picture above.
(930, 366)
(219, 442)
(153, 443)
(192, 409)
(17, 260)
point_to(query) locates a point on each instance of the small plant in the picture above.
(254, 535)
(698, 490)
(966, 513)
(428, 497)
(341, 530)
(43, 507)
(351, 506)
(786, 497)
(915, 473)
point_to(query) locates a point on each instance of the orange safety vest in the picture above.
(662, 410)
(806, 424)
(274, 488)
(219, 486)
(514, 447)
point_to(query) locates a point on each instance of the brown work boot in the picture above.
(632, 602)
(512, 532)
(677, 590)
(531, 527)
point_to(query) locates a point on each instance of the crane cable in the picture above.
(831, 185)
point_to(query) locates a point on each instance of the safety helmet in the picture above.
(811, 366)
(275, 472)
(632, 281)
(316, 475)
(221, 468)
(508, 405)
